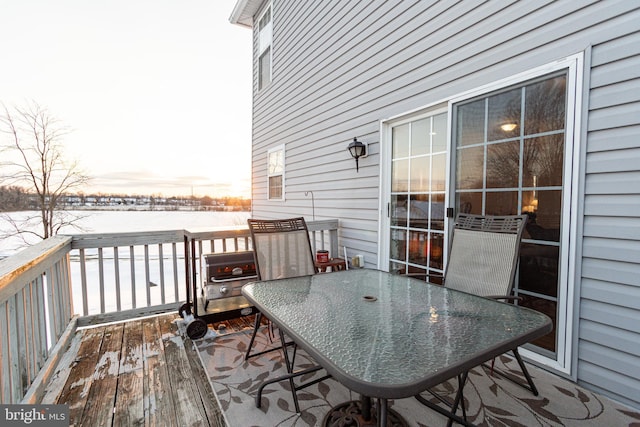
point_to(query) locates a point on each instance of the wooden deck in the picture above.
(135, 373)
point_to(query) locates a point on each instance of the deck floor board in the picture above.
(75, 390)
(183, 389)
(159, 409)
(98, 410)
(129, 405)
(138, 373)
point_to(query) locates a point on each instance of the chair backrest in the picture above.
(281, 248)
(484, 254)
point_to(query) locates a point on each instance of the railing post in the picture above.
(323, 226)
(333, 241)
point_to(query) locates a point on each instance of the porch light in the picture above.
(357, 149)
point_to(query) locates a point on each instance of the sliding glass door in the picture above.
(501, 151)
(509, 157)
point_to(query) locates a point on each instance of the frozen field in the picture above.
(127, 221)
(131, 221)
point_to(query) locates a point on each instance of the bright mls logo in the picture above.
(34, 415)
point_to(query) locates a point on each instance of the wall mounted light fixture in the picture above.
(357, 149)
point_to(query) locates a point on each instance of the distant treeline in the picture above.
(13, 198)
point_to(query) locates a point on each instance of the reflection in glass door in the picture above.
(509, 160)
(416, 209)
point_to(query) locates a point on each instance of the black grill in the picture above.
(224, 274)
(229, 265)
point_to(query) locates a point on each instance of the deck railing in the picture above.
(123, 275)
(103, 277)
(35, 313)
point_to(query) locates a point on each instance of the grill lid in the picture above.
(227, 265)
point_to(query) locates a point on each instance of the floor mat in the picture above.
(490, 399)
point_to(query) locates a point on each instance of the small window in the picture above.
(264, 69)
(265, 33)
(275, 173)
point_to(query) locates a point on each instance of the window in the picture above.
(265, 32)
(275, 173)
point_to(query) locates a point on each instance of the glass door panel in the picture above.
(416, 209)
(509, 150)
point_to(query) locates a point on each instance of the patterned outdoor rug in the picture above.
(491, 399)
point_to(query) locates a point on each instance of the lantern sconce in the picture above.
(357, 150)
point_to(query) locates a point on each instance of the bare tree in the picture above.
(31, 157)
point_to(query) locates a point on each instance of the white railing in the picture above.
(122, 275)
(110, 277)
(35, 311)
(117, 276)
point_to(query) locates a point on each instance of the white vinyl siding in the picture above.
(608, 351)
(340, 68)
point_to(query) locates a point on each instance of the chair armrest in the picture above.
(423, 275)
(505, 297)
(431, 277)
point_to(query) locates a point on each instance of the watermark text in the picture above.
(34, 415)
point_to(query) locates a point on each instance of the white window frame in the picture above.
(274, 173)
(265, 41)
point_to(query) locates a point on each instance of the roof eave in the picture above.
(244, 11)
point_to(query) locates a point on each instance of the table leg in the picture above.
(459, 400)
(383, 409)
(451, 414)
(289, 370)
(365, 407)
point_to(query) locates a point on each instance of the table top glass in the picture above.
(391, 336)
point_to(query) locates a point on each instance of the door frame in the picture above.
(386, 127)
(569, 244)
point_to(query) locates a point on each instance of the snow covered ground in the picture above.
(130, 221)
(122, 221)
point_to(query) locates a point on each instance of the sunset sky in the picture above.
(157, 92)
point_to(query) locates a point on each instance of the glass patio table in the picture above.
(387, 336)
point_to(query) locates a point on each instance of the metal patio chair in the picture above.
(282, 249)
(483, 260)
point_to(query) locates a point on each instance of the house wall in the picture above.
(609, 327)
(340, 67)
